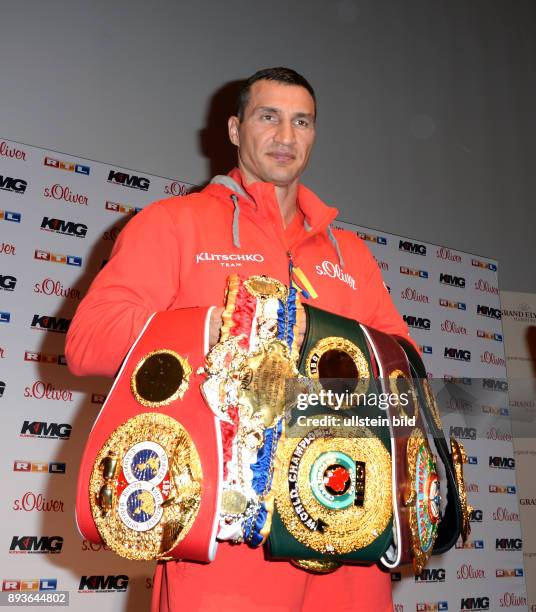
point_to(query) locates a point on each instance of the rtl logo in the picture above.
(7, 215)
(67, 228)
(51, 324)
(39, 466)
(39, 357)
(516, 572)
(7, 283)
(121, 208)
(435, 606)
(2, 387)
(508, 544)
(482, 264)
(372, 238)
(509, 489)
(5, 317)
(69, 166)
(35, 544)
(412, 247)
(458, 354)
(35, 584)
(470, 544)
(103, 583)
(431, 575)
(41, 429)
(70, 260)
(508, 463)
(128, 180)
(417, 322)
(463, 433)
(453, 281)
(474, 603)
(488, 311)
(450, 304)
(489, 335)
(15, 185)
(413, 272)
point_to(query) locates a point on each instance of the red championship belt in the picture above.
(150, 476)
(416, 501)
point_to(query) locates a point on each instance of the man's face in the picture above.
(276, 134)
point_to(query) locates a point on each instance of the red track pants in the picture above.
(240, 580)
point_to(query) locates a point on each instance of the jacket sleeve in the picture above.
(141, 277)
(382, 313)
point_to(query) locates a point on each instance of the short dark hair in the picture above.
(279, 74)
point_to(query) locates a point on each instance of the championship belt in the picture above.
(333, 498)
(149, 479)
(416, 491)
(455, 519)
(245, 388)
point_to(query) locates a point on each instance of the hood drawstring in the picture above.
(231, 184)
(236, 228)
(334, 242)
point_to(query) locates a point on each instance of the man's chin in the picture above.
(281, 178)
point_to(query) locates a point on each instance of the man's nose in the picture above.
(285, 133)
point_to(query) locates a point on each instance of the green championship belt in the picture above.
(333, 496)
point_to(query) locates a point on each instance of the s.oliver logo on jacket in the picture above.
(327, 268)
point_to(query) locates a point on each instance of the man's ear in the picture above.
(232, 124)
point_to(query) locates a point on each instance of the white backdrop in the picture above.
(59, 216)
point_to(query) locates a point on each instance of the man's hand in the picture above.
(216, 323)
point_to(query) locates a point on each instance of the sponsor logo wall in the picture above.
(450, 302)
(59, 218)
(519, 320)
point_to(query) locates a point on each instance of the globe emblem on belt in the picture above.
(140, 506)
(145, 462)
(332, 480)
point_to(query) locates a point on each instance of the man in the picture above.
(178, 253)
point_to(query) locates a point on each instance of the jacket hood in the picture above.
(259, 198)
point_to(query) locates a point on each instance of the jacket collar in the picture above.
(259, 198)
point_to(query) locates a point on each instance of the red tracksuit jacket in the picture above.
(178, 253)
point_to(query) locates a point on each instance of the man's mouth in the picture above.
(281, 157)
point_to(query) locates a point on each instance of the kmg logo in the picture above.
(128, 180)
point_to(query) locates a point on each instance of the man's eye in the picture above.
(302, 122)
(268, 117)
